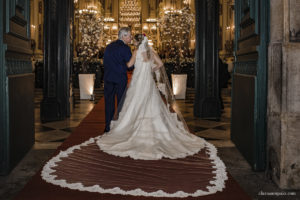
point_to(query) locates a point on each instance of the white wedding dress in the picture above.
(146, 129)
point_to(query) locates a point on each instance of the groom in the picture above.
(117, 54)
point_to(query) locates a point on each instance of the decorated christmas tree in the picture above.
(175, 30)
(91, 28)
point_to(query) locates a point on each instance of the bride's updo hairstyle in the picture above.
(139, 38)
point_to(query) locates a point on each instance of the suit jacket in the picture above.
(116, 55)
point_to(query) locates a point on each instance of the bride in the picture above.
(146, 128)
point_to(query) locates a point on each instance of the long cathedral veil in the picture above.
(163, 84)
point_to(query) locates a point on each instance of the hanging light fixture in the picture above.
(130, 13)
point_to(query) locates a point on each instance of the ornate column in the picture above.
(207, 103)
(108, 8)
(57, 60)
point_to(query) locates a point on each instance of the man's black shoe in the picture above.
(106, 130)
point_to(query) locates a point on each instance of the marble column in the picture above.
(207, 102)
(57, 60)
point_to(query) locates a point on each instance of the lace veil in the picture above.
(163, 83)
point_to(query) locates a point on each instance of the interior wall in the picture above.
(284, 94)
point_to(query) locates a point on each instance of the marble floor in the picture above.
(49, 136)
(216, 132)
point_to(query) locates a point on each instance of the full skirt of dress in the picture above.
(146, 129)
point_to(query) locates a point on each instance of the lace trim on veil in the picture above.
(218, 183)
(142, 47)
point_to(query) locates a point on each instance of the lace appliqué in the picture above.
(218, 182)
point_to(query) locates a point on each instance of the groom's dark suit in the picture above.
(116, 55)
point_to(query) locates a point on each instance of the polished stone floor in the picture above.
(49, 136)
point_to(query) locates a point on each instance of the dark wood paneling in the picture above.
(242, 130)
(251, 36)
(21, 116)
(248, 41)
(17, 40)
(16, 91)
(3, 96)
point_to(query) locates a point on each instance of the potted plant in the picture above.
(86, 84)
(179, 79)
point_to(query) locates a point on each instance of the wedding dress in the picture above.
(146, 129)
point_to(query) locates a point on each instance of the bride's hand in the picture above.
(132, 59)
(134, 53)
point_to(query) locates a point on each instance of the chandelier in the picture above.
(130, 13)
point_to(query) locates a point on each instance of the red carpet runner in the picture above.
(92, 126)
